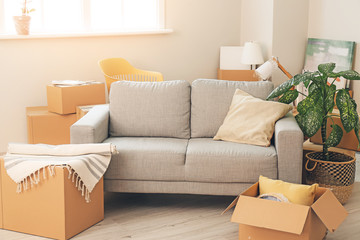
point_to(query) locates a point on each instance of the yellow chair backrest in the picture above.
(117, 69)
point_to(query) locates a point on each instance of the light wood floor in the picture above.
(185, 217)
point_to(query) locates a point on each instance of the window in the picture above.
(66, 16)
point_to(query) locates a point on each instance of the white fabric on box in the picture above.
(86, 163)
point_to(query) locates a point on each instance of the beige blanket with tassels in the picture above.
(86, 163)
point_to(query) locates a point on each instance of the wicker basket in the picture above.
(338, 173)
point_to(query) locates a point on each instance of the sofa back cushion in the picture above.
(211, 99)
(150, 109)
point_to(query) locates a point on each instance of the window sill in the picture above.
(84, 34)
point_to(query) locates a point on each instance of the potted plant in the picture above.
(329, 169)
(22, 23)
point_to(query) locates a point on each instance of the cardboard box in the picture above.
(63, 100)
(348, 141)
(262, 219)
(54, 208)
(237, 75)
(49, 128)
(83, 110)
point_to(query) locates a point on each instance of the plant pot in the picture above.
(22, 24)
(338, 173)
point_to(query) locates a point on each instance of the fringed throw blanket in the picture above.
(86, 163)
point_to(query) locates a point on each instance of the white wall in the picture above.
(338, 20)
(192, 51)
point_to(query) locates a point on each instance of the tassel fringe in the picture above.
(34, 179)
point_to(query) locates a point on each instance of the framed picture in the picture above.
(324, 50)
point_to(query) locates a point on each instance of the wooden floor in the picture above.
(186, 217)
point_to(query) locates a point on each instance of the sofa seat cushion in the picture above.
(146, 158)
(218, 161)
(150, 109)
(211, 99)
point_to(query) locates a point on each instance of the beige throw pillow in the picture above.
(251, 120)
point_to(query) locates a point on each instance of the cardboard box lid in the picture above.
(273, 215)
(329, 210)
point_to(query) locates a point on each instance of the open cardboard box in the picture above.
(265, 219)
(64, 100)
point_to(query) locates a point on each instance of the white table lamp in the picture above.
(252, 54)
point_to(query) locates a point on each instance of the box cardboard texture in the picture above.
(237, 75)
(348, 141)
(83, 110)
(49, 128)
(64, 100)
(262, 219)
(54, 208)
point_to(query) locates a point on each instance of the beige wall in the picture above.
(257, 24)
(192, 51)
(280, 26)
(290, 36)
(338, 20)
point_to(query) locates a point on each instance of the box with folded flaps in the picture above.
(53, 208)
(263, 219)
(65, 99)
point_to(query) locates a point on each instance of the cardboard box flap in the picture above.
(231, 205)
(251, 191)
(285, 217)
(329, 210)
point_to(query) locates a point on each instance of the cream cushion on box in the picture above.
(251, 120)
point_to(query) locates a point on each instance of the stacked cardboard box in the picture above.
(51, 124)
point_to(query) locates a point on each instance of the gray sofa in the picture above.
(164, 131)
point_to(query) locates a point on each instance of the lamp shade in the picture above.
(265, 71)
(252, 54)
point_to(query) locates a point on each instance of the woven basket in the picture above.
(338, 173)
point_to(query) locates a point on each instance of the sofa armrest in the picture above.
(93, 127)
(289, 147)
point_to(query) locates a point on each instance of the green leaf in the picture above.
(347, 107)
(349, 74)
(335, 136)
(312, 87)
(326, 68)
(313, 100)
(298, 78)
(289, 96)
(283, 88)
(318, 79)
(307, 82)
(310, 123)
(329, 100)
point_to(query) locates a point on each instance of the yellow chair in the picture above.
(117, 69)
